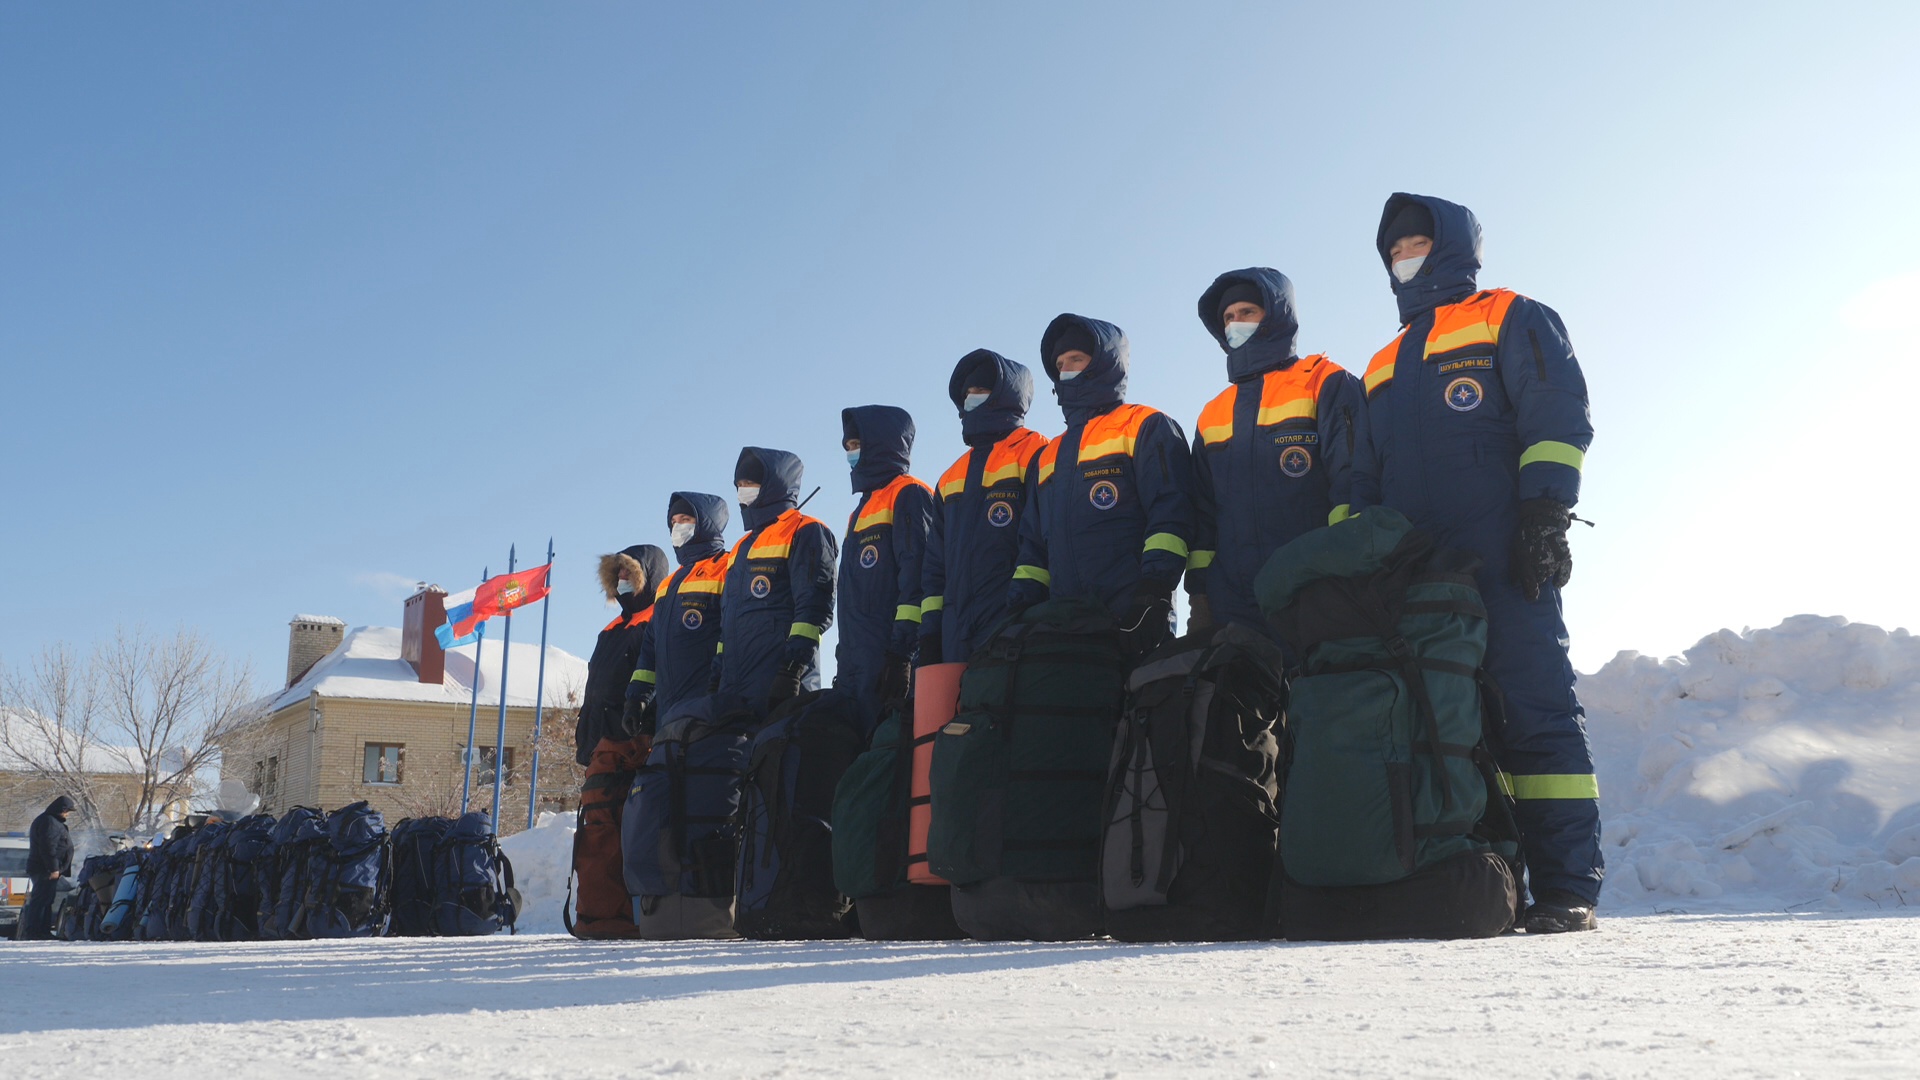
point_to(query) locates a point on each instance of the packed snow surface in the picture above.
(1745, 996)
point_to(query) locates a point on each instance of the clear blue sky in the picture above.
(301, 303)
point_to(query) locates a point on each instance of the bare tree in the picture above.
(127, 732)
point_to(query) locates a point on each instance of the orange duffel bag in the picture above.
(602, 908)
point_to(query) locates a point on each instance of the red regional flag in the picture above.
(508, 591)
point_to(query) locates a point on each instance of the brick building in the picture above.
(381, 713)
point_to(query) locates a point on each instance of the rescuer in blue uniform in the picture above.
(1273, 453)
(975, 541)
(676, 654)
(1112, 512)
(880, 566)
(778, 596)
(1478, 429)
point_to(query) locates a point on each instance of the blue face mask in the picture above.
(1239, 333)
(853, 458)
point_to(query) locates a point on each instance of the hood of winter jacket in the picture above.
(1103, 384)
(61, 805)
(710, 518)
(886, 443)
(779, 475)
(1272, 346)
(1449, 272)
(1010, 395)
(646, 562)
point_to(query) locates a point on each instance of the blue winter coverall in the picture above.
(880, 565)
(982, 497)
(778, 597)
(676, 653)
(1477, 406)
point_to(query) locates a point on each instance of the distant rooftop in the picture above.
(367, 664)
(324, 620)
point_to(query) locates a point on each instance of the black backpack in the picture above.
(245, 859)
(784, 885)
(284, 873)
(1193, 819)
(412, 895)
(473, 893)
(348, 875)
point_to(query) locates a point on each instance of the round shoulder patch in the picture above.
(1464, 394)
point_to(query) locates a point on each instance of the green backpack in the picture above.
(1392, 823)
(1019, 775)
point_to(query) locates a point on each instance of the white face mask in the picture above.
(749, 493)
(1404, 270)
(974, 401)
(682, 533)
(624, 587)
(1239, 333)
(1069, 376)
(853, 457)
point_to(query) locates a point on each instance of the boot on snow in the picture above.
(1558, 912)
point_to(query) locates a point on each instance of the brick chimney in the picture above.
(310, 638)
(426, 610)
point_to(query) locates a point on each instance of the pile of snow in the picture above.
(1764, 770)
(542, 858)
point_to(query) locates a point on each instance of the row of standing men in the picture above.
(1472, 421)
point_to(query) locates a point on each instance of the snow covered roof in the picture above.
(24, 738)
(367, 664)
(323, 620)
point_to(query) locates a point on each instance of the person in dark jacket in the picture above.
(1273, 453)
(676, 653)
(975, 540)
(880, 565)
(49, 860)
(629, 578)
(1478, 428)
(1112, 513)
(778, 596)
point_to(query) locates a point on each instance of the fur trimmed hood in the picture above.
(644, 562)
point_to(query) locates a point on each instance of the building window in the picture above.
(483, 767)
(273, 779)
(383, 763)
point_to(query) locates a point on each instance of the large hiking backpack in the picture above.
(80, 917)
(783, 881)
(473, 893)
(1019, 775)
(285, 871)
(1392, 824)
(874, 810)
(168, 891)
(347, 876)
(603, 909)
(206, 883)
(680, 833)
(411, 897)
(245, 860)
(122, 915)
(1192, 817)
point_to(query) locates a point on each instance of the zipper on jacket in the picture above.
(1539, 360)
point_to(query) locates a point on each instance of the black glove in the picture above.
(786, 684)
(1540, 552)
(1199, 615)
(930, 649)
(896, 677)
(1147, 622)
(636, 718)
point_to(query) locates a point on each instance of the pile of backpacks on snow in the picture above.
(1328, 781)
(307, 874)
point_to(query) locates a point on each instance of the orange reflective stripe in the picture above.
(879, 507)
(1380, 370)
(1294, 394)
(640, 618)
(1049, 456)
(776, 540)
(709, 575)
(954, 480)
(615, 624)
(1216, 420)
(1009, 458)
(1473, 321)
(1113, 433)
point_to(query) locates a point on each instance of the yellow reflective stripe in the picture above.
(1475, 334)
(1551, 786)
(1376, 378)
(710, 585)
(769, 551)
(878, 517)
(643, 675)
(1119, 444)
(1216, 433)
(1340, 513)
(1297, 409)
(932, 603)
(1558, 452)
(1046, 471)
(906, 611)
(1024, 572)
(1167, 542)
(719, 647)
(1199, 560)
(805, 630)
(1006, 471)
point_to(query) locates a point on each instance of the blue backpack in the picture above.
(347, 876)
(679, 834)
(284, 871)
(473, 893)
(167, 891)
(206, 886)
(412, 895)
(245, 862)
(120, 919)
(784, 879)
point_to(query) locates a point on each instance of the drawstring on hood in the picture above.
(778, 473)
(1274, 345)
(886, 443)
(1103, 385)
(710, 518)
(1448, 273)
(1010, 395)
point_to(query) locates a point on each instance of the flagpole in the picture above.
(500, 741)
(473, 711)
(540, 692)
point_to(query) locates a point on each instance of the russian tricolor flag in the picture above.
(464, 621)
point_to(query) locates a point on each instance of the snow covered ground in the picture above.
(1761, 802)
